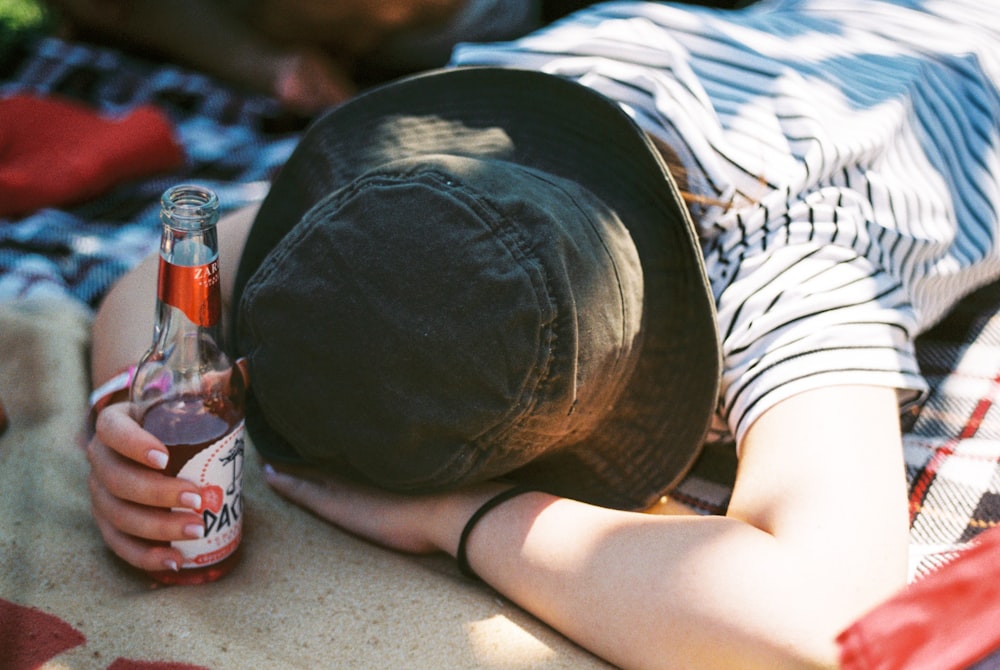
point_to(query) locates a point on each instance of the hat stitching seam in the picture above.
(513, 241)
(625, 313)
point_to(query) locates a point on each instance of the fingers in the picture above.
(328, 498)
(121, 464)
(139, 553)
(139, 532)
(121, 479)
(140, 521)
(400, 522)
(116, 428)
(138, 509)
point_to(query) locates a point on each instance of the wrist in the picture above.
(488, 506)
(448, 516)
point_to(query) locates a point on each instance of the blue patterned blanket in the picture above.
(234, 143)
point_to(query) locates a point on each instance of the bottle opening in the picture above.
(190, 205)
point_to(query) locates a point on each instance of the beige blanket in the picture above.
(305, 595)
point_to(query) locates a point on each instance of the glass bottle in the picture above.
(187, 391)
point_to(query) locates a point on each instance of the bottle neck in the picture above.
(188, 295)
(188, 301)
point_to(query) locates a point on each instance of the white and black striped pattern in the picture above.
(858, 143)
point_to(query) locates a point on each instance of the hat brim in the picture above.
(652, 437)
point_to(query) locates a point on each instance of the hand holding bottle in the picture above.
(167, 467)
(138, 509)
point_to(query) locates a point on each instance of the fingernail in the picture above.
(171, 565)
(190, 500)
(268, 471)
(157, 459)
(194, 531)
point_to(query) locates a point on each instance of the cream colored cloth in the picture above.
(305, 595)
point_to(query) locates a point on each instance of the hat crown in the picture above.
(467, 306)
(641, 442)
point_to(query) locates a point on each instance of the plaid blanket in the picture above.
(951, 444)
(953, 449)
(235, 142)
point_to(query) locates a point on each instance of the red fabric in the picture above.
(29, 637)
(56, 152)
(946, 621)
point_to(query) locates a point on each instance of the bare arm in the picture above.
(800, 555)
(816, 534)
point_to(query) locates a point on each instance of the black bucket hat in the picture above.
(478, 273)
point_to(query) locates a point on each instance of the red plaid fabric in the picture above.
(953, 448)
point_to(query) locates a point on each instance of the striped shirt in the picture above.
(857, 143)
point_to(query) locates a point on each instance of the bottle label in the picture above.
(193, 289)
(218, 472)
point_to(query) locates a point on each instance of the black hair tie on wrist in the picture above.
(461, 557)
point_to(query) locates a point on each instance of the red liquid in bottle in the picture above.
(187, 426)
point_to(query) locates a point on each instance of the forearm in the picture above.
(816, 535)
(800, 556)
(646, 591)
